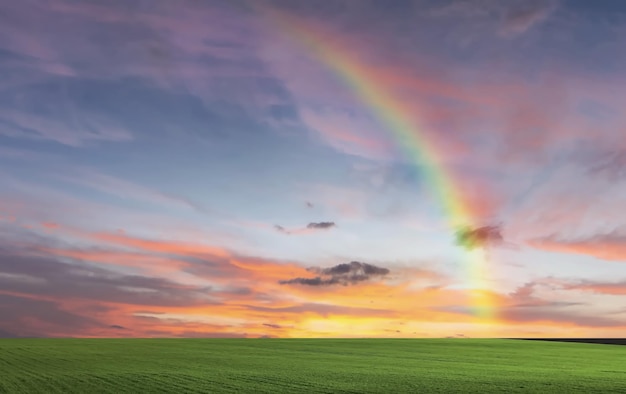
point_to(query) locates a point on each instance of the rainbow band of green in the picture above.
(396, 117)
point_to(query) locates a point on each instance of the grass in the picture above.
(308, 365)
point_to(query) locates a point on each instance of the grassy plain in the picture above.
(308, 366)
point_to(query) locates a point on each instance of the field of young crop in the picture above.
(308, 365)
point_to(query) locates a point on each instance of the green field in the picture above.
(308, 365)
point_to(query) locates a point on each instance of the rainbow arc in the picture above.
(398, 119)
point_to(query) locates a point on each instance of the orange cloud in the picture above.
(243, 297)
(159, 246)
(225, 266)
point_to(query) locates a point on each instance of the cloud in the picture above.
(352, 267)
(524, 296)
(324, 310)
(25, 316)
(205, 261)
(58, 128)
(310, 281)
(344, 274)
(608, 288)
(464, 8)
(528, 305)
(48, 275)
(281, 229)
(321, 225)
(166, 64)
(478, 237)
(523, 305)
(50, 225)
(532, 314)
(348, 132)
(123, 188)
(53, 278)
(608, 246)
(6, 334)
(310, 228)
(612, 165)
(520, 18)
(244, 292)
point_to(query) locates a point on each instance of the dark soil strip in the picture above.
(603, 341)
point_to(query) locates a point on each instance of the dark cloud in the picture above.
(471, 238)
(193, 334)
(309, 204)
(310, 226)
(29, 317)
(321, 225)
(116, 327)
(352, 267)
(6, 334)
(317, 281)
(49, 276)
(272, 325)
(344, 274)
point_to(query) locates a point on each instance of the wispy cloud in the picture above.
(53, 278)
(616, 288)
(609, 246)
(520, 18)
(63, 127)
(120, 187)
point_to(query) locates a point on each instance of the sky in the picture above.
(353, 168)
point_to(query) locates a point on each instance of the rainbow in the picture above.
(398, 119)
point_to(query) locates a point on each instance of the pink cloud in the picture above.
(350, 134)
(603, 246)
(607, 288)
